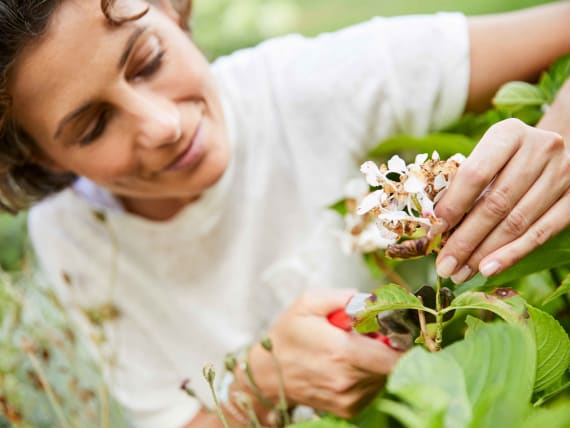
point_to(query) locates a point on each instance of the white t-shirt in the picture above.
(301, 114)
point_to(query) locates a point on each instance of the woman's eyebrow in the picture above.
(131, 41)
(130, 45)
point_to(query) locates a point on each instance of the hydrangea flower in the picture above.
(399, 202)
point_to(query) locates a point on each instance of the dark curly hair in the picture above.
(23, 181)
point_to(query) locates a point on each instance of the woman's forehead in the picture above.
(68, 63)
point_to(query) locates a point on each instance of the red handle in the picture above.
(342, 320)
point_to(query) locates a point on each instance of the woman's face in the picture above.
(132, 107)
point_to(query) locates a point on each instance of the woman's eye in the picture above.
(151, 67)
(97, 129)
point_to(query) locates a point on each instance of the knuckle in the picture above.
(463, 246)
(342, 385)
(553, 142)
(497, 203)
(474, 174)
(515, 223)
(508, 126)
(349, 404)
(539, 235)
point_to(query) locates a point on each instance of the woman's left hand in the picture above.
(515, 188)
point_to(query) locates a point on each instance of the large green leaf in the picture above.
(385, 298)
(557, 416)
(433, 384)
(503, 302)
(560, 291)
(498, 361)
(445, 144)
(515, 96)
(552, 349)
(554, 253)
(483, 381)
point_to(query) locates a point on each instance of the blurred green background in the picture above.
(222, 26)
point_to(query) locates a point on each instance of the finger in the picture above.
(372, 356)
(491, 208)
(322, 302)
(554, 221)
(477, 171)
(542, 196)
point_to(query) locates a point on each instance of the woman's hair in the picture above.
(22, 180)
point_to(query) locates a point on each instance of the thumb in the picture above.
(323, 302)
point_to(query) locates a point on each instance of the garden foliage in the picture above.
(505, 353)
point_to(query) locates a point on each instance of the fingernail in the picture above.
(446, 266)
(462, 275)
(490, 268)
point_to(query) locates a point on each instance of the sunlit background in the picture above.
(222, 26)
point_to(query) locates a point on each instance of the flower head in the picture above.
(401, 203)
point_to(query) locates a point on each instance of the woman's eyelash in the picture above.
(153, 66)
(98, 129)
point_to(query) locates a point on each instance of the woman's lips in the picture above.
(192, 154)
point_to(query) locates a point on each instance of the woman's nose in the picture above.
(157, 119)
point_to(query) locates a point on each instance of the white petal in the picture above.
(426, 204)
(397, 164)
(414, 184)
(435, 155)
(356, 188)
(387, 234)
(458, 157)
(421, 158)
(439, 182)
(370, 201)
(370, 240)
(356, 304)
(370, 169)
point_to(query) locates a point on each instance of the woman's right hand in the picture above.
(322, 366)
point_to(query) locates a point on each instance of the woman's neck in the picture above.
(155, 209)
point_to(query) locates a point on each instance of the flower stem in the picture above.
(427, 338)
(209, 375)
(283, 406)
(439, 315)
(389, 272)
(27, 348)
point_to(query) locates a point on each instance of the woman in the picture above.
(198, 215)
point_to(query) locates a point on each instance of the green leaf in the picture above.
(445, 144)
(551, 81)
(516, 96)
(387, 297)
(557, 416)
(511, 307)
(552, 347)
(483, 381)
(433, 384)
(554, 253)
(560, 291)
(473, 324)
(324, 423)
(498, 361)
(340, 207)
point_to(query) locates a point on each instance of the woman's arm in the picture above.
(514, 46)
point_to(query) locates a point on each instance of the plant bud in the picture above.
(230, 362)
(267, 344)
(209, 373)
